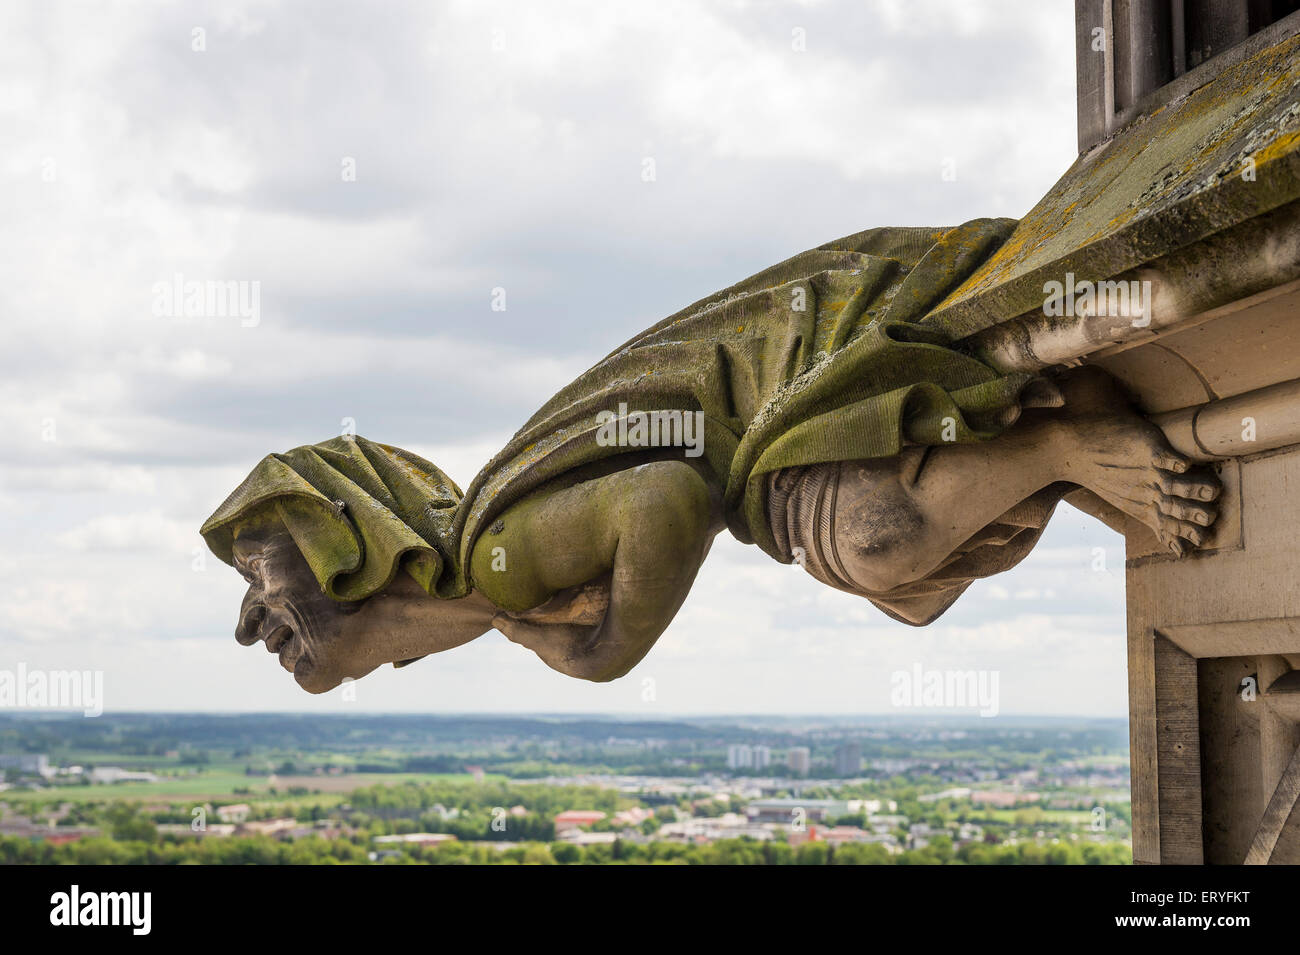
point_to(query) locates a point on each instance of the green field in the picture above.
(221, 785)
(1065, 817)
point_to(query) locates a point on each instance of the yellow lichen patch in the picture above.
(1162, 160)
(1282, 145)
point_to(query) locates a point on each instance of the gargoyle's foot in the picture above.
(1126, 460)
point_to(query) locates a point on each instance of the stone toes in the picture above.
(1170, 461)
(1181, 536)
(1175, 532)
(1191, 488)
(1187, 510)
(1171, 486)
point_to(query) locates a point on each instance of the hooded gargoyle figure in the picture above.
(810, 409)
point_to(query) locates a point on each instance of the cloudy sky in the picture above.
(379, 169)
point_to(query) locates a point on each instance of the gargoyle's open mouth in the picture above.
(278, 638)
(283, 639)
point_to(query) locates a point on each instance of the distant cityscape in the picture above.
(607, 790)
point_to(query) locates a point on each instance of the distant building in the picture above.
(702, 831)
(236, 813)
(798, 759)
(739, 756)
(634, 816)
(268, 827)
(35, 763)
(839, 835)
(960, 792)
(116, 774)
(26, 829)
(886, 823)
(417, 839)
(848, 759)
(762, 757)
(575, 818)
(801, 811)
(1001, 799)
(184, 829)
(580, 838)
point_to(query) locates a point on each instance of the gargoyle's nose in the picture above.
(252, 614)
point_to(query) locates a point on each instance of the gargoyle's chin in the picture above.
(297, 659)
(313, 678)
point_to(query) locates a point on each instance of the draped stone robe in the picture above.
(824, 357)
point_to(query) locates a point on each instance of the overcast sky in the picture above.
(494, 146)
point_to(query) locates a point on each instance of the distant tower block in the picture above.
(739, 756)
(798, 760)
(848, 760)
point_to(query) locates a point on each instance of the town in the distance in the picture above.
(382, 789)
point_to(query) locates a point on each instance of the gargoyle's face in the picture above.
(286, 609)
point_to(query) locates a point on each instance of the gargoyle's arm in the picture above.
(645, 531)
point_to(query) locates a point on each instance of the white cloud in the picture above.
(133, 158)
(117, 532)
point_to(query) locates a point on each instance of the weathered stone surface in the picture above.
(1165, 181)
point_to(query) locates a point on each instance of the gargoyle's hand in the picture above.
(562, 630)
(561, 646)
(583, 605)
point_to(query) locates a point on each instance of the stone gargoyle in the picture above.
(810, 409)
